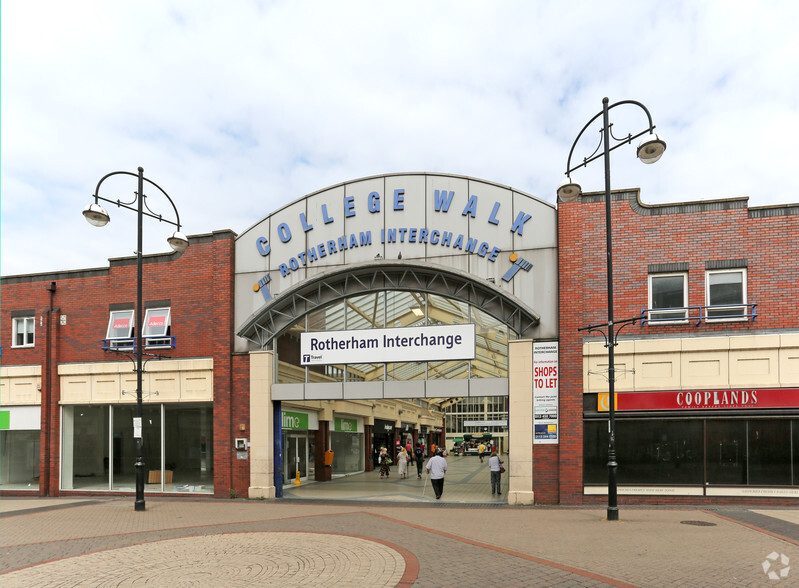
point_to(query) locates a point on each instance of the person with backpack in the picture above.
(418, 455)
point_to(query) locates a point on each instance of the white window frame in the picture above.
(117, 339)
(157, 337)
(681, 315)
(732, 307)
(23, 322)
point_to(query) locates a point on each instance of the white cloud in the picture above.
(237, 109)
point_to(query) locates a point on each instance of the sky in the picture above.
(236, 109)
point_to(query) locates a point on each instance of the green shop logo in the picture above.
(346, 425)
(295, 420)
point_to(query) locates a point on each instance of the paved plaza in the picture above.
(389, 534)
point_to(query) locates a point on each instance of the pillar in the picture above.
(520, 422)
(262, 461)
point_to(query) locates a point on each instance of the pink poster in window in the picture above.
(122, 323)
(157, 321)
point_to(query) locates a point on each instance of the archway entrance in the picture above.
(357, 405)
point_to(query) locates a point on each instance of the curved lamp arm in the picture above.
(628, 139)
(127, 205)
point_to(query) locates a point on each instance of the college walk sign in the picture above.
(490, 232)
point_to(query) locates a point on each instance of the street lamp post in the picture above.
(649, 150)
(96, 215)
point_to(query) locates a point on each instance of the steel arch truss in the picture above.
(298, 301)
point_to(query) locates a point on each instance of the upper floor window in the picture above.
(24, 331)
(726, 294)
(668, 297)
(156, 328)
(120, 328)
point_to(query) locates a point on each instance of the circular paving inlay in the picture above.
(230, 560)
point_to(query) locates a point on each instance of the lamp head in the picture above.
(651, 148)
(178, 241)
(569, 191)
(96, 215)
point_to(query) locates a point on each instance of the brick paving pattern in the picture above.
(180, 542)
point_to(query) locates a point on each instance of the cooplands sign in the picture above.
(431, 343)
(750, 398)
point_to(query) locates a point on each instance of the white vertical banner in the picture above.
(545, 392)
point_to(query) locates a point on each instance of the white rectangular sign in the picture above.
(545, 392)
(434, 343)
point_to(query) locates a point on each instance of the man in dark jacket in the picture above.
(418, 455)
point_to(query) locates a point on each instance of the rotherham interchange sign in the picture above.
(437, 343)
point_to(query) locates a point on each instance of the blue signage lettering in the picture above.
(399, 199)
(263, 246)
(493, 216)
(442, 200)
(374, 202)
(471, 207)
(349, 207)
(518, 224)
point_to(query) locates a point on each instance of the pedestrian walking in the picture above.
(385, 463)
(437, 469)
(481, 450)
(496, 469)
(418, 455)
(402, 463)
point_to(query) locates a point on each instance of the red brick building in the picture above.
(707, 382)
(68, 398)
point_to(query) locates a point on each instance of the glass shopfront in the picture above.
(382, 436)
(346, 442)
(19, 447)
(298, 434)
(712, 452)
(99, 450)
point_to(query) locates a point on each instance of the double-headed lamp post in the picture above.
(97, 216)
(649, 150)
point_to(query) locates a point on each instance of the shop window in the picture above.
(668, 297)
(99, 450)
(769, 453)
(19, 454)
(649, 452)
(726, 295)
(24, 331)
